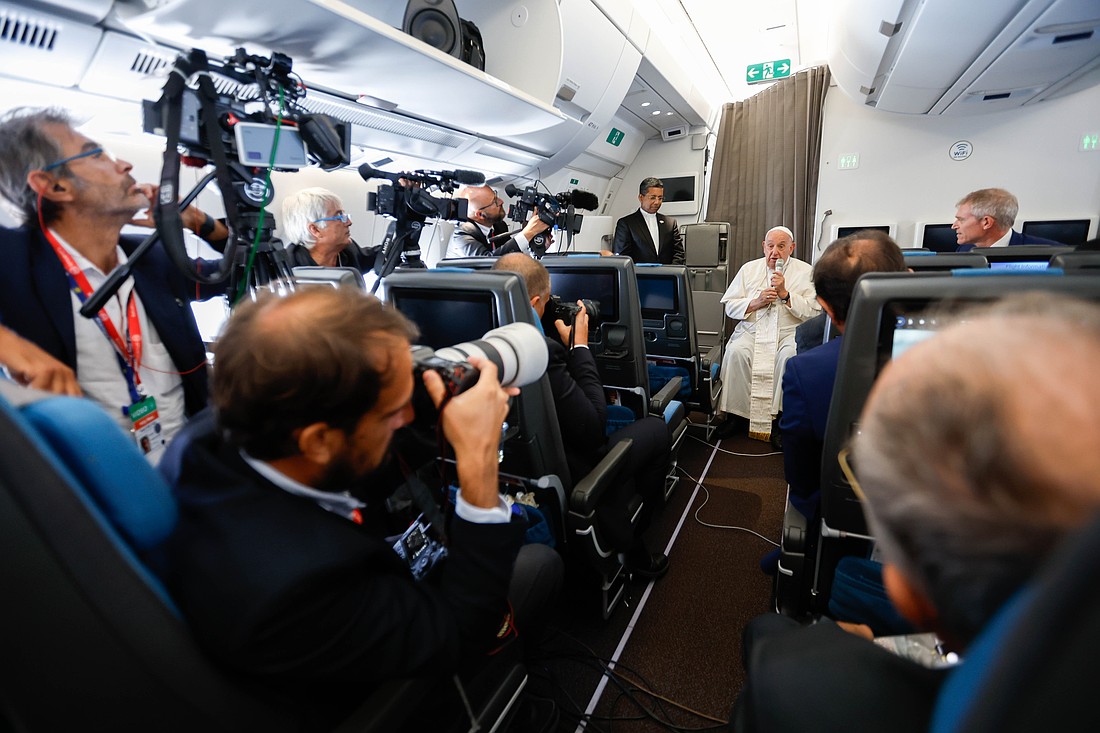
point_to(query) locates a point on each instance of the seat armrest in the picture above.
(711, 357)
(659, 401)
(586, 494)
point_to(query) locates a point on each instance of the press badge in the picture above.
(145, 425)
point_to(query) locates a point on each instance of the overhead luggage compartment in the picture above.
(947, 57)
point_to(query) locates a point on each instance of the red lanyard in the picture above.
(128, 350)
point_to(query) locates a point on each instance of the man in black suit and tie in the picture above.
(645, 235)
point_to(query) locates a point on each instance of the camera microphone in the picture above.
(584, 200)
(468, 178)
(367, 172)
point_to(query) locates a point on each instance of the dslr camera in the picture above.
(518, 350)
(557, 308)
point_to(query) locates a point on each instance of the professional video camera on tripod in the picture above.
(246, 132)
(556, 210)
(406, 199)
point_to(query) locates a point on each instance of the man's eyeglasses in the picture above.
(78, 156)
(342, 217)
(496, 200)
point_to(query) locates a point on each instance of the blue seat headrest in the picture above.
(106, 463)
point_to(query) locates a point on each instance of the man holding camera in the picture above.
(486, 220)
(582, 418)
(279, 562)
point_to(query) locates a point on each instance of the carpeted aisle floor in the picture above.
(686, 641)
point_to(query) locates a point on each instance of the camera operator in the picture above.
(278, 562)
(320, 232)
(142, 357)
(582, 418)
(486, 219)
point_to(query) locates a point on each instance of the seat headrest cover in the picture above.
(109, 467)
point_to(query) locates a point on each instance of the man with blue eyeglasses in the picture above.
(141, 357)
(319, 229)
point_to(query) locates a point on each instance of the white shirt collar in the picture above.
(1003, 241)
(343, 504)
(647, 215)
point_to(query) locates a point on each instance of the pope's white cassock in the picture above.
(762, 341)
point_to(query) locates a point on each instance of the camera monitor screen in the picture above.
(598, 285)
(255, 140)
(658, 296)
(446, 317)
(939, 238)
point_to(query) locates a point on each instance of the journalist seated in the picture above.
(279, 563)
(582, 418)
(320, 232)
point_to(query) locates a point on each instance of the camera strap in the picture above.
(169, 223)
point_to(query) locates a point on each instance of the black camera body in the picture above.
(558, 309)
(529, 199)
(396, 201)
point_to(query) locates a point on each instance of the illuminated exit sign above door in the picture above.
(767, 71)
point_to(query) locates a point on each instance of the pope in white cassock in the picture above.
(768, 298)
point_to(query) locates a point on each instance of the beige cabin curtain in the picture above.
(766, 164)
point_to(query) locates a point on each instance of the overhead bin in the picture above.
(947, 57)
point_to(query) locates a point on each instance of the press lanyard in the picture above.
(127, 351)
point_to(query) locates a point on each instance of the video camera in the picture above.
(407, 200)
(518, 350)
(255, 125)
(555, 210)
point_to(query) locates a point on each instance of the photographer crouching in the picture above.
(276, 562)
(582, 418)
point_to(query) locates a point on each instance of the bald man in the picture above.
(968, 491)
(486, 219)
(768, 298)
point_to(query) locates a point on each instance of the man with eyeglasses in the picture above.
(486, 220)
(142, 357)
(319, 229)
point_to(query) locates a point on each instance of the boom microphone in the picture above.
(466, 178)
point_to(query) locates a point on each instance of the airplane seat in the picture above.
(87, 621)
(1083, 262)
(533, 452)
(671, 341)
(931, 261)
(882, 321)
(1032, 667)
(617, 341)
(334, 277)
(705, 250)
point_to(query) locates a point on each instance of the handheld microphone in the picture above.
(779, 265)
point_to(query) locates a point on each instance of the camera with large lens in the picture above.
(518, 350)
(558, 309)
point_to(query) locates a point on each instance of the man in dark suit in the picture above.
(967, 492)
(581, 408)
(280, 562)
(647, 236)
(984, 218)
(486, 219)
(809, 376)
(75, 198)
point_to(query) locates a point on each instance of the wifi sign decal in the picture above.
(961, 150)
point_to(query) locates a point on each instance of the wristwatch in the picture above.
(788, 298)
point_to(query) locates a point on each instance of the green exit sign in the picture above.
(1090, 142)
(615, 136)
(767, 71)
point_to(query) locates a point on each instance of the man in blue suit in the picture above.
(984, 218)
(142, 358)
(809, 377)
